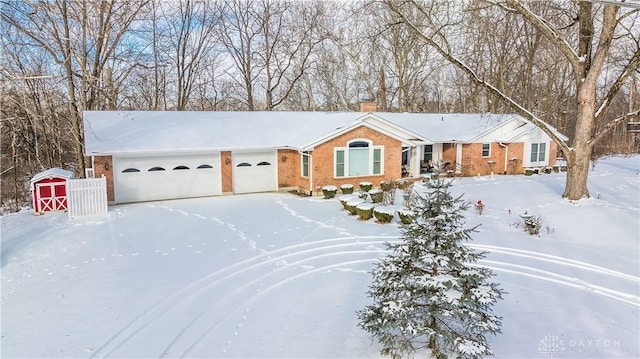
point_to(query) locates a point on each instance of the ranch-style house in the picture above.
(162, 155)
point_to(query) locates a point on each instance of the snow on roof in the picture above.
(154, 131)
(458, 127)
(52, 172)
(113, 132)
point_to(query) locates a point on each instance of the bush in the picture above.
(528, 172)
(406, 217)
(556, 169)
(352, 204)
(366, 186)
(384, 214)
(364, 211)
(345, 199)
(329, 191)
(376, 195)
(548, 170)
(346, 188)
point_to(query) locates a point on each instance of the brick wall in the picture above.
(290, 170)
(103, 165)
(323, 166)
(226, 169)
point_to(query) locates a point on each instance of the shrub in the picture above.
(345, 199)
(384, 214)
(366, 186)
(329, 191)
(364, 211)
(548, 170)
(556, 169)
(351, 205)
(376, 195)
(528, 172)
(346, 188)
(406, 217)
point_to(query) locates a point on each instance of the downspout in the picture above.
(506, 156)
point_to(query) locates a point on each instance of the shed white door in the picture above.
(255, 171)
(152, 178)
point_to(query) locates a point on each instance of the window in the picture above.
(305, 164)
(538, 152)
(204, 166)
(130, 170)
(153, 169)
(359, 158)
(428, 153)
(244, 164)
(340, 163)
(180, 168)
(377, 161)
(264, 164)
(486, 149)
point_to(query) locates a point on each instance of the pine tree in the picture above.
(429, 293)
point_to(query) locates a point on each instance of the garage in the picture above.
(152, 178)
(255, 171)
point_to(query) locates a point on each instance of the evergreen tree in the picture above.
(429, 293)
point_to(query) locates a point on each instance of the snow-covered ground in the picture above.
(275, 275)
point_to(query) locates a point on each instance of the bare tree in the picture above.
(81, 38)
(588, 58)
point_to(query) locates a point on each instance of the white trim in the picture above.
(482, 150)
(345, 150)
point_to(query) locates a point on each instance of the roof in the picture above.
(120, 132)
(52, 172)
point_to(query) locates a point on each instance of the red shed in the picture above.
(49, 190)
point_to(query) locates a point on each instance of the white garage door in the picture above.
(152, 178)
(255, 171)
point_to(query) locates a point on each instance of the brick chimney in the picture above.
(368, 105)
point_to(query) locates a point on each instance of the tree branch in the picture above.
(611, 125)
(519, 109)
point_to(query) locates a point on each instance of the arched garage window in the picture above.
(130, 170)
(204, 166)
(180, 168)
(153, 169)
(244, 164)
(359, 158)
(264, 164)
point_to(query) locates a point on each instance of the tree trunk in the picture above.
(577, 171)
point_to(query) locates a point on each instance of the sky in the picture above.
(274, 275)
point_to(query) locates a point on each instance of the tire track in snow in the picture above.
(308, 251)
(160, 308)
(497, 265)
